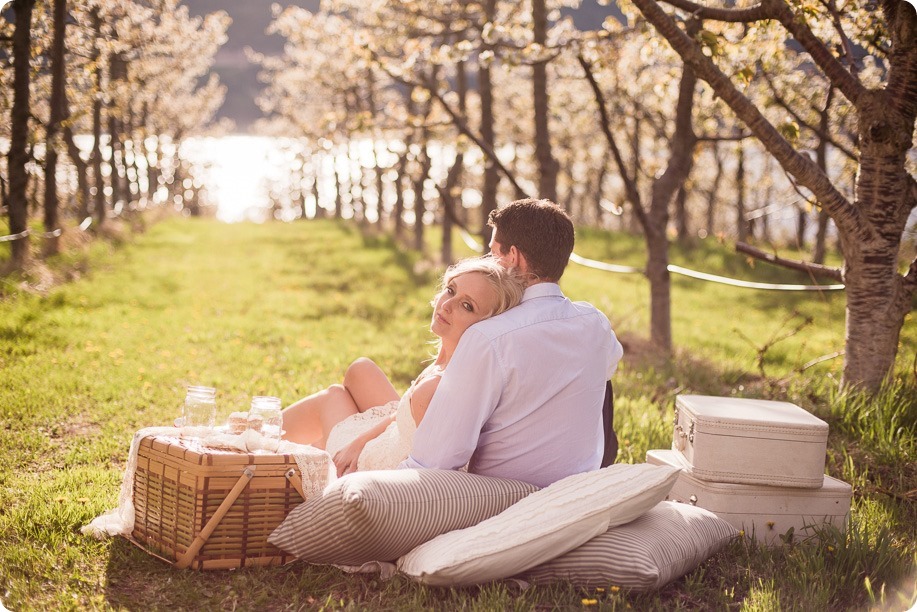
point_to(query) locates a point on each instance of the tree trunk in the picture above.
(743, 225)
(821, 158)
(95, 157)
(451, 194)
(420, 206)
(802, 221)
(51, 204)
(338, 190)
(82, 178)
(681, 214)
(115, 168)
(153, 169)
(599, 195)
(878, 298)
(19, 131)
(485, 93)
(821, 238)
(714, 190)
(547, 165)
(316, 176)
(380, 181)
(398, 211)
(681, 161)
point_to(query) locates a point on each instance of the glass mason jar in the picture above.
(199, 412)
(270, 413)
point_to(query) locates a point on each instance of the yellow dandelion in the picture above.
(60, 499)
(590, 602)
(83, 500)
(830, 548)
(615, 588)
(741, 533)
(599, 590)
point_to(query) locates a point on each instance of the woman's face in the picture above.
(467, 299)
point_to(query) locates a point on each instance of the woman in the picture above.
(363, 423)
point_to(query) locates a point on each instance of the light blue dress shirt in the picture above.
(522, 395)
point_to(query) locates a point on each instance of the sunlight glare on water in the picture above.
(236, 171)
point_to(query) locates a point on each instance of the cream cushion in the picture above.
(381, 515)
(541, 526)
(665, 543)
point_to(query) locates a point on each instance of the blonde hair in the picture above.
(507, 284)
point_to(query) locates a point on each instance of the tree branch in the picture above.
(796, 25)
(815, 130)
(723, 137)
(462, 127)
(847, 217)
(839, 76)
(819, 270)
(630, 184)
(757, 12)
(458, 121)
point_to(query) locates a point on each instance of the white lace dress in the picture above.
(393, 445)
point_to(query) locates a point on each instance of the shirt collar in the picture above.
(542, 290)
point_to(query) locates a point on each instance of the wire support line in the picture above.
(601, 265)
(748, 284)
(713, 278)
(12, 237)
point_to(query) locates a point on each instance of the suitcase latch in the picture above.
(693, 500)
(680, 437)
(691, 433)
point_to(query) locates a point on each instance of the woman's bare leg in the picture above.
(309, 421)
(368, 385)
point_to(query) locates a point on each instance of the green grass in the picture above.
(281, 309)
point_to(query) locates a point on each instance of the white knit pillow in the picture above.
(541, 526)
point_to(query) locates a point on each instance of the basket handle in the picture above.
(296, 482)
(185, 559)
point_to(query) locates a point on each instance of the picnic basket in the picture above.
(211, 509)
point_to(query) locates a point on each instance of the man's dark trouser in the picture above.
(608, 417)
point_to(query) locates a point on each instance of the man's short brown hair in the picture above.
(541, 230)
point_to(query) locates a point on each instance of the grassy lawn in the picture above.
(281, 309)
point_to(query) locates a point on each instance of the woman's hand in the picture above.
(345, 460)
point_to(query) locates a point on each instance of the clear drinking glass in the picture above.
(199, 412)
(268, 408)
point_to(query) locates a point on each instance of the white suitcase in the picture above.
(766, 513)
(749, 441)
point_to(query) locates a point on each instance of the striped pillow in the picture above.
(665, 543)
(381, 515)
(540, 527)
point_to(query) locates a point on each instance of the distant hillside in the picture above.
(251, 18)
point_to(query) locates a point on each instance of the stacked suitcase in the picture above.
(757, 464)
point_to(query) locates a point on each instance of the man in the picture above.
(522, 396)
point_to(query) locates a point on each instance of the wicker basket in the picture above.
(211, 509)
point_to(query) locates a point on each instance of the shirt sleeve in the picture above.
(616, 353)
(465, 398)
